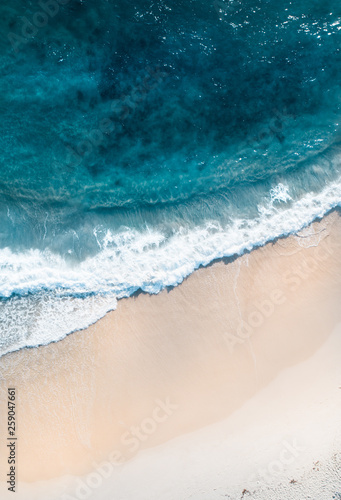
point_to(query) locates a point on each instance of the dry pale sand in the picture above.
(162, 366)
(282, 444)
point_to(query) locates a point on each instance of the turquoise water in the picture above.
(140, 140)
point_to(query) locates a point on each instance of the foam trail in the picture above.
(52, 298)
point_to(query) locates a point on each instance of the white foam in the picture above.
(131, 260)
(40, 319)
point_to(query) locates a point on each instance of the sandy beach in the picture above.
(235, 369)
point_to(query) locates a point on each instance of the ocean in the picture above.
(142, 140)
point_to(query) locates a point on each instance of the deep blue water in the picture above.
(142, 139)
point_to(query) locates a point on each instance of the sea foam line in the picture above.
(130, 260)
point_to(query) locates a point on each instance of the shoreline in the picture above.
(225, 260)
(267, 230)
(195, 354)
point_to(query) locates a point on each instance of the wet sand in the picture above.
(163, 366)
